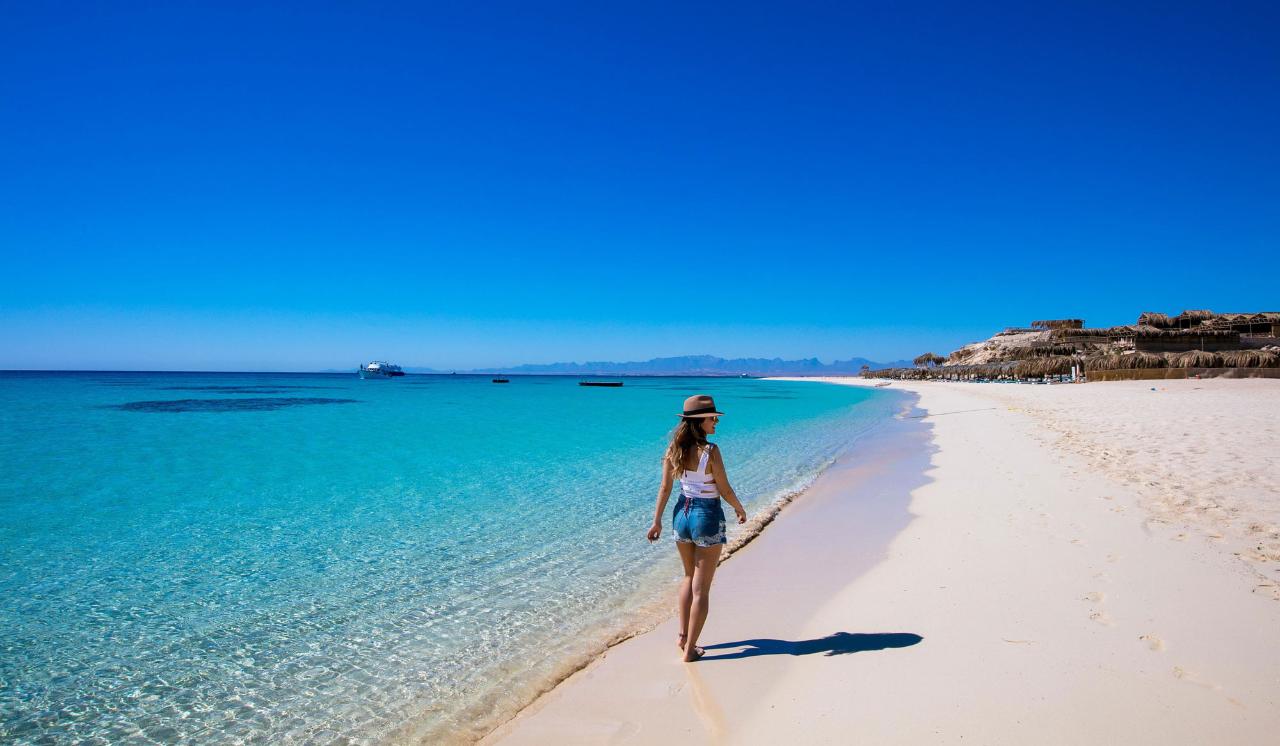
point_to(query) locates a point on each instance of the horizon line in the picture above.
(331, 372)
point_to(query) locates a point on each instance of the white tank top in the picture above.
(699, 483)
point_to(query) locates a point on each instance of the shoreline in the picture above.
(883, 459)
(655, 613)
(1059, 594)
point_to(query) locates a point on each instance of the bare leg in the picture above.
(686, 589)
(704, 569)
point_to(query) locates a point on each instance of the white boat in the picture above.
(380, 369)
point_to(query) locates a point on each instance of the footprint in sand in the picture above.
(1114, 557)
(1153, 641)
(1101, 618)
(1192, 678)
(1095, 597)
(1266, 587)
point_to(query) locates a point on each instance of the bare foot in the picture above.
(680, 640)
(692, 655)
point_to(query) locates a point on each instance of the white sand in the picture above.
(1088, 564)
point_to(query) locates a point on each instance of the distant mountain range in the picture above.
(692, 365)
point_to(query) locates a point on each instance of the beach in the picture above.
(1032, 564)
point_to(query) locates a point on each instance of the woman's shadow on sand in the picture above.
(841, 643)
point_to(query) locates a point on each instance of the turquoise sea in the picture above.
(220, 558)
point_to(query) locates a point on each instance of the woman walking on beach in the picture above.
(698, 518)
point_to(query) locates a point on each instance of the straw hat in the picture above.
(700, 406)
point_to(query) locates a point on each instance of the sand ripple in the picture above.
(1201, 455)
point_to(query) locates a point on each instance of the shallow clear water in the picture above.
(268, 557)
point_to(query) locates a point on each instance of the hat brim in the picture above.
(700, 414)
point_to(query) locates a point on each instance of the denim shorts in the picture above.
(699, 521)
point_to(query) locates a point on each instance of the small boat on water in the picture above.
(502, 380)
(380, 369)
(614, 384)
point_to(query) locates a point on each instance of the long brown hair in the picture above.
(685, 439)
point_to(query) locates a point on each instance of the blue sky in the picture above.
(291, 187)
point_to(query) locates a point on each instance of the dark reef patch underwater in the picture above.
(259, 389)
(257, 404)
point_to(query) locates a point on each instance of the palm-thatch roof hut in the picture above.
(1158, 320)
(1150, 339)
(1264, 323)
(1058, 324)
(1114, 332)
(1157, 346)
(1193, 317)
(1197, 331)
(1246, 323)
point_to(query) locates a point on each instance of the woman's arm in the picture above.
(664, 492)
(722, 484)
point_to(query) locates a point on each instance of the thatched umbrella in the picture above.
(990, 370)
(1143, 360)
(1058, 365)
(1249, 358)
(1151, 318)
(1026, 369)
(1194, 359)
(1124, 361)
(1101, 361)
(1236, 358)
